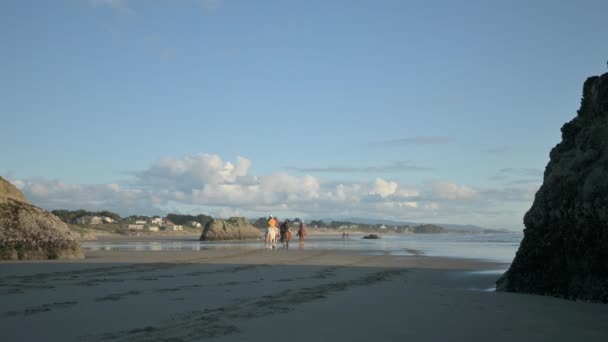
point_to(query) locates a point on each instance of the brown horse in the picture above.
(302, 234)
(286, 238)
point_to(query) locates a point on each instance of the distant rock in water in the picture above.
(28, 232)
(371, 236)
(564, 252)
(428, 229)
(235, 228)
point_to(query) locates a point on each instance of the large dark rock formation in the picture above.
(28, 232)
(235, 228)
(564, 252)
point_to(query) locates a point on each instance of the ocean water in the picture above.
(500, 247)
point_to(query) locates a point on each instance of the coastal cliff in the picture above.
(28, 232)
(564, 252)
(235, 228)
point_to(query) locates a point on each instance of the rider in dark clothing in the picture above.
(284, 228)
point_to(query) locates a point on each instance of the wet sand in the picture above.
(244, 294)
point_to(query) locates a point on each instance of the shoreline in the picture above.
(257, 256)
(95, 235)
(410, 245)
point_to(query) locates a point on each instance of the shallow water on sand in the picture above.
(499, 247)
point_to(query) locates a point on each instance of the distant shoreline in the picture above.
(90, 233)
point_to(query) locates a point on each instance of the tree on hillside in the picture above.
(183, 219)
(180, 219)
(261, 223)
(64, 215)
(134, 218)
(203, 219)
(70, 216)
(113, 216)
(318, 223)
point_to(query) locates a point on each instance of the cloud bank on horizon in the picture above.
(206, 183)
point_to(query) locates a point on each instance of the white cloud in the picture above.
(19, 184)
(194, 171)
(384, 188)
(451, 191)
(206, 183)
(514, 193)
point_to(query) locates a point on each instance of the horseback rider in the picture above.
(272, 221)
(271, 232)
(284, 228)
(302, 231)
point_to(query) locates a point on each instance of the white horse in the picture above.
(271, 237)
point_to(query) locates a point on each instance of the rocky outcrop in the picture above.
(28, 232)
(564, 252)
(235, 228)
(9, 191)
(371, 236)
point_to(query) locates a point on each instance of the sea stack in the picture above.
(234, 228)
(28, 232)
(564, 252)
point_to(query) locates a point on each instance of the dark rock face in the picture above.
(28, 232)
(235, 228)
(564, 252)
(371, 236)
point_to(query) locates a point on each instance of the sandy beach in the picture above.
(245, 294)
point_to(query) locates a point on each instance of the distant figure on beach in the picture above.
(302, 234)
(271, 233)
(343, 235)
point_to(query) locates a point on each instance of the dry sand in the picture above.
(244, 294)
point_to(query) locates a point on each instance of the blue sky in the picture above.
(430, 111)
